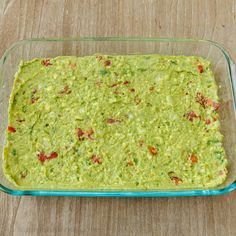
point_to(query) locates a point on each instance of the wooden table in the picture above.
(210, 19)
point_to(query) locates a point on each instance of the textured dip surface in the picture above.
(115, 122)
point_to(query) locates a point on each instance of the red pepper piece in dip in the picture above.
(209, 102)
(11, 129)
(66, 90)
(73, 66)
(126, 82)
(96, 159)
(80, 133)
(200, 69)
(115, 85)
(191, 115)
(112, 121)
(46, 62)
(208, 121)
(90, 132)
(42, 157)
(53, 155)
(130, 163)
(176, 179)
(201, 100)
(193, 158)
(152, 150)
(216, 106)
(107, 63)
(206, 102)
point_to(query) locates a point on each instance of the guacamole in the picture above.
(115, 122)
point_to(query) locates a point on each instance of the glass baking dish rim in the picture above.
(124, 193)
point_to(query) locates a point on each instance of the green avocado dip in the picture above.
(115, 122)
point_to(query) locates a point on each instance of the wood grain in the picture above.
(215, 20)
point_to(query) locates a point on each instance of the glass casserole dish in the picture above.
(222, 66)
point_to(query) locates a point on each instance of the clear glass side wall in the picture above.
(51, 48)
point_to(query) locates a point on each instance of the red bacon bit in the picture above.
(132, 90)
(208, 121)
(80, 133)
(200, 68)
(11, 129)
(216, 106)
(191, 115)
(46, 62)
(107, 63)
(126, 82)
(193, 158)
(152, 150)
(53, 155)
(176, 179)
(130, 163)
(42, 157)
(90, 132)
(96, 159)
